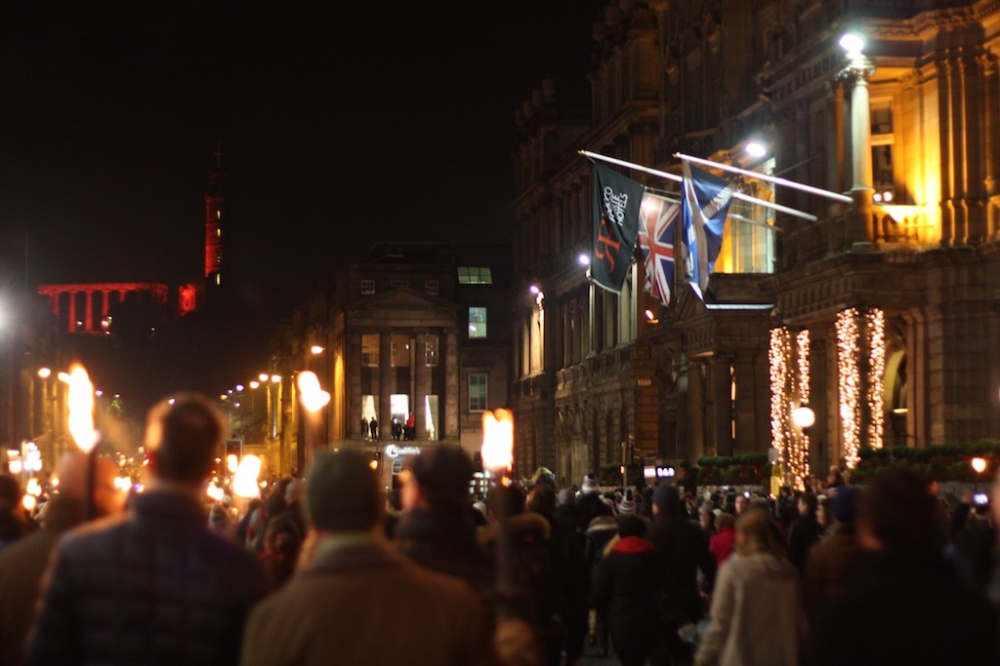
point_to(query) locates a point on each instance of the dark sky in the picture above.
(359, 122)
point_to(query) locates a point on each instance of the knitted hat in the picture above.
(543, 475)
(627, 504)
(590, 485)
(845, 504)
(666, 495)
(342, 492)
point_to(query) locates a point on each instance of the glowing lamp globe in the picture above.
(979, 465)
(803, 417)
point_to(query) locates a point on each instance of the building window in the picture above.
(477, 392)
(367, 287)
(432, 287)
(474, 275)
(477, 322)
(431, 351)
(400, 350)
(396, 284)
(369, 350)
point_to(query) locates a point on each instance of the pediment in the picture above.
(402, 298)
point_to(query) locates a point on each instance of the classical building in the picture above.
(878, 316)
(419, 329)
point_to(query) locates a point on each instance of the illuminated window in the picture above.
(367, 287)
(369, 350)
(748, 245)
(431, 287)
(218, 214)
(431, 351)
(477, 392)
(474, 275)
(400, 350)
(477, 322)
(218, 233)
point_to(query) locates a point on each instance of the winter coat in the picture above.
(21, 568)
(443, 540)
(625, 593)
(905, 609)
(803, 535)
(599, 534)
(830, 566)
(366, 604)
(722, 544)
(740, 633)
(682, 551)
(154, 586)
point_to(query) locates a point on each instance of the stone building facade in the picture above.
(879, 316)
(421, 329)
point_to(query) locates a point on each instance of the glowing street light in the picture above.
(852, 43)
(979, 465)
(803, 416)
(756, 149)
(44, 373)
(317, 349)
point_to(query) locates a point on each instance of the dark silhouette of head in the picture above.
(184, 436)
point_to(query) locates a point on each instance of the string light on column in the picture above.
(798, 458)
(779, 353)
(849, 384)
(876, 375)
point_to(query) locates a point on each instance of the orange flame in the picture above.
(81, 409)
(312, 396)
(498, 440)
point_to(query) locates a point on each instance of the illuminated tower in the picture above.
(214, 206)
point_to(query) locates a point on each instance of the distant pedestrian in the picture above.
(364, 428)
(373, 428)
(805, 531)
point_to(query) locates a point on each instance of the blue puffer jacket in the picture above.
(155, 587)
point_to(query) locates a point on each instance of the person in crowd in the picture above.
(681, 551)
(570, 525)
(836, 559)
(835, 479)
(723, 542)
(805, 531)
(602, 529)
(272, 506)
(282, 543)
(23, 564)
(14, 522)
(741, 503)
(218, 519)
(154, 586)
(436, 529)
(293, 506)
(626, 505)
(364, 427)
(541, 573)
(706, 519)
(625, 592)
(590, 503)
(907, 607)
(410, 433)
(823, 517)
(973, 539)
(739, 633)
(243, 524)
(373, 428)
(346, 602)
(543, 501)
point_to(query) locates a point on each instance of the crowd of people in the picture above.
(331, 569)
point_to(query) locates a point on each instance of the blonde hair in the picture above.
(760, 534)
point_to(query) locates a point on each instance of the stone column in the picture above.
(746, 414)
(696, 408)
(386, 384)
(88, 324)
(72, 311)
(720, 430)
(860, 70)
(452, 383)
(418, 376)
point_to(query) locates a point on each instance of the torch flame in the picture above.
(33, 488)
(498, 440)
(245, 483)
(81, 409)
(313, 397)
(232, 463)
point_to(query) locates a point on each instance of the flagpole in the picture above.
(843, 198)
(678, 179)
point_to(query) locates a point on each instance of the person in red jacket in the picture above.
(721, 544)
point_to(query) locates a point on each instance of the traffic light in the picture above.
(376, 462)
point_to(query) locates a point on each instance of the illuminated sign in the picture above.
(393, 451)
(659, 472)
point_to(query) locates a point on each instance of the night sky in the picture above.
(342, 126)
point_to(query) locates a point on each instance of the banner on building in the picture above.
(617, 201)
(656, 244)
(705, 201)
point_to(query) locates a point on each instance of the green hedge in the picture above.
(945, 462)
(744, 470)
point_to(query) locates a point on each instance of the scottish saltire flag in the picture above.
(616, 224)
(656, 244)
(705, 203)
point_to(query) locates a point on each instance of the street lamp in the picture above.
(978, 466)
(803, 416)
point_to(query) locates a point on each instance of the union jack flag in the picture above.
(656, 244)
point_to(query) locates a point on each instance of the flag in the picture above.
(656, 244)
(705, 203)
(616, 224)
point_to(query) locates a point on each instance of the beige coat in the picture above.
(365, 604)
(757, 616)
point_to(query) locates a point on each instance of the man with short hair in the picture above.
(355, 599)
(156, 585)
